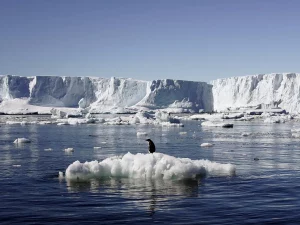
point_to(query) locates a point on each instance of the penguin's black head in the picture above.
(148, 139)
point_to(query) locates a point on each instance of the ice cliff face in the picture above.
(108, 95)
(102, 95)
(282, 90)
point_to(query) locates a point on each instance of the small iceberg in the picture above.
(21, 140)
(147, 166)
(216, 124)
(207, 145)
(68, 150)
(141, 134)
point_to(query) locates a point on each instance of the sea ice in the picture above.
(22, 140)
(68, 150)
(207, 145)
(216, 124)
(141, 134)
(147, 166)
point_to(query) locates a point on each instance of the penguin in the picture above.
(151, 146)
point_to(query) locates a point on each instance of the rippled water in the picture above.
(263, 191)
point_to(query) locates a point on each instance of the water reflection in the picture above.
(146, 194)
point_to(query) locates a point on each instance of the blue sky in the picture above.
(188, 39)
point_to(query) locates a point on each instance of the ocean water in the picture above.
(263, 191)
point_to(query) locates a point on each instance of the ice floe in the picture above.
(207, 145)
(22, 140)
(216, 124)
(69, 150)
(147, 166)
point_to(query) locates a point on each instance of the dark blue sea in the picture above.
(263, 191)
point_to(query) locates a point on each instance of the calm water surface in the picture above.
(264, 191)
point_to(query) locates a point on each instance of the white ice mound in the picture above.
(68, 150)
(22, 140)
(216, 124)
(147, 166)
(207, 145)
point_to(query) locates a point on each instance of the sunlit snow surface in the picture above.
(155, 166)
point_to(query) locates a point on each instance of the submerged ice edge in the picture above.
(149, 166)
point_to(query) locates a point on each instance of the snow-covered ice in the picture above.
(141, 134)
(22, 140)
(68, 150)
(40, 94)
(207, 145)
(264, 91)
(216, 124)
(147, 166)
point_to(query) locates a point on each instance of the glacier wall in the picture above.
(108, 95)
(282, 90)
(121, 95)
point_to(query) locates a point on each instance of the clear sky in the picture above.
(197, 40)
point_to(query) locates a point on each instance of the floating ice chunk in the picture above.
(296, 135)
(97, 148)
(60, 175)
(274, 119)
(165, 117)
(295, 132)
(168, 124)
(183, 133)
(69, 150)
(207, 145)
(147, 166)
(57, 114)
(142, 118)
(233, 116)
(12, 122)
(44, 122)
(246, 118)
(16, 165)
(62, 123)
(141, 134)
(22, 140)
(245, 134)
(48, 149)
(216, 124)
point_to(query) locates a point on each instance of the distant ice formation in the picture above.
(101, 95)
(263, 91)
(276, 93)
(147, 166)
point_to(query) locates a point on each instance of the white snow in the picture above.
(147, 166)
